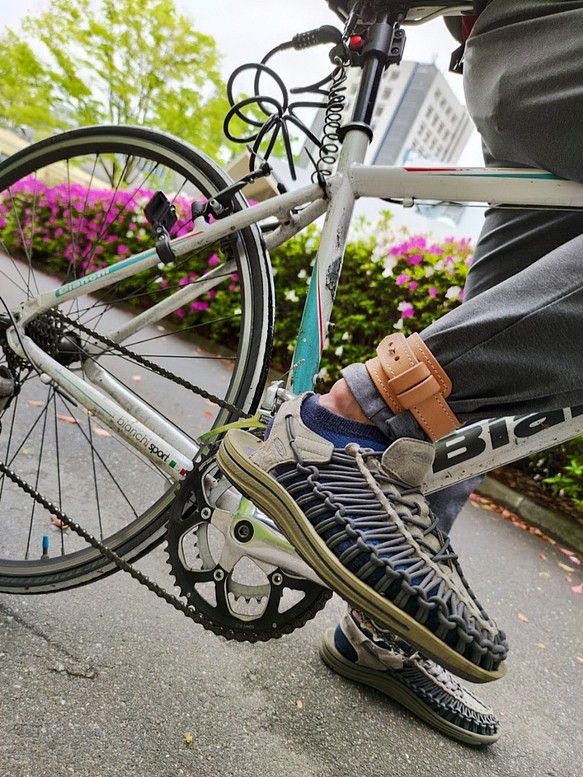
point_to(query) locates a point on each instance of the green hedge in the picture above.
(391, 281)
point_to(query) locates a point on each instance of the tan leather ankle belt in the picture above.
(409, 377)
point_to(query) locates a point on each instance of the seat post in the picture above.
(384, 45)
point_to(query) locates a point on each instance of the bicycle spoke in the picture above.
(67, 209)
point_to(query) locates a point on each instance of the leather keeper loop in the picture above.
(418, 394)
(409, 377)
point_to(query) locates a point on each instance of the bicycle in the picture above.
(79, 392)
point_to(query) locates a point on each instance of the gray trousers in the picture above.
(516, 344)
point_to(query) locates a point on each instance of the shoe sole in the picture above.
(264, 491)
(383, 682)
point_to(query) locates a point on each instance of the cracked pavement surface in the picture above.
(108, 680)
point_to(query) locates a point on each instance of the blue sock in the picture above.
(340, 431)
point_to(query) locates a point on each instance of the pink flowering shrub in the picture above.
(72, 231)
(390, 281)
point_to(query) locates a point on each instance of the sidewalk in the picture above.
(109, 681)
(556, 525)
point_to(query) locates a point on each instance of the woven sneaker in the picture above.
(356, 650)
(357, 518)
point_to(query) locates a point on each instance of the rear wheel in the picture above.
(68, 206)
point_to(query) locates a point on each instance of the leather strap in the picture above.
(409, 377)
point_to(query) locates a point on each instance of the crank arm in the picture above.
(247, 535)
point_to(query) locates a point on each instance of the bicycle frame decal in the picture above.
(485, 445)
(472, 172)
(99, 274)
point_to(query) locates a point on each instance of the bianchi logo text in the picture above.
(141, 438)
(82, 281)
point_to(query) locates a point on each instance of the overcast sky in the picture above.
(245, 31)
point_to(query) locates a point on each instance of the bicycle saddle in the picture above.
(415, 10)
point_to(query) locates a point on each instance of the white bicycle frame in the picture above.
(469, 451)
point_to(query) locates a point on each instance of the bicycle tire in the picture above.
(69, 160)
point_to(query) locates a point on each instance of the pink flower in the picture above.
(407, 310)
(402, 279)
(432, 292)
(214, 259)
(199, 305)
(414, 259)
(413, 285)
(122, 249)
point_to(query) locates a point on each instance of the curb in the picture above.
(555, 525)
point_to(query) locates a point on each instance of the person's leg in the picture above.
(511, 241)
(355, 515)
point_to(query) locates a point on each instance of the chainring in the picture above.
(234, 595)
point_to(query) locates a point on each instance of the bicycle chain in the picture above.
(151, 365)
(190, 612)
(144, 580)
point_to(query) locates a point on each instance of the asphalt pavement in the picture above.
(108, 681)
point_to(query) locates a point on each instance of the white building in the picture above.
(417, 118)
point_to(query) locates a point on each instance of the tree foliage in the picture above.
(84, 62)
